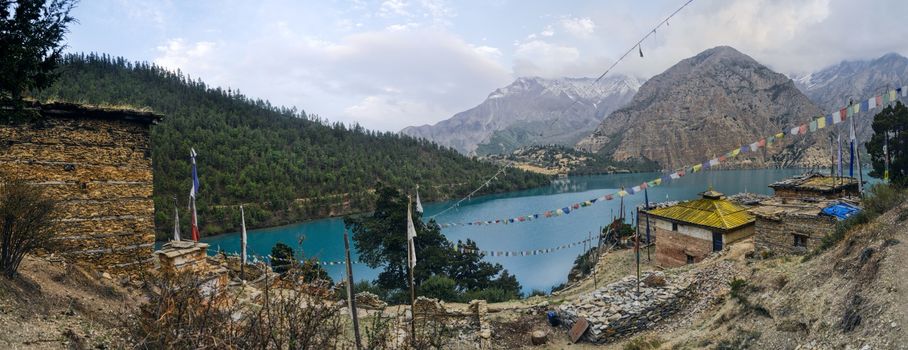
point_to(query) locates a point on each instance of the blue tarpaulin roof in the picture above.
(841, 210)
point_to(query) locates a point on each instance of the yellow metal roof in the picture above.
(711, 212)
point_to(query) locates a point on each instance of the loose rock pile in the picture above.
(617, 310)
(369, 301)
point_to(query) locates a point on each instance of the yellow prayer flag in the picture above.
(780, 135)
(622, 193)
(892, 95)
(735, 152)
(697, 167)
(821, 122)
(657, 182)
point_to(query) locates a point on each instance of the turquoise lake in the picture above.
(324, 238)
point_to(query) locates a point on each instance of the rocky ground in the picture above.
(52, 305)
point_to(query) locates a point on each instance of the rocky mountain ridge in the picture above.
(836, 86)
(530, 111)
(704, 106)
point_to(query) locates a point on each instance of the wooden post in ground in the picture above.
(412, 287)
(637, 250)
(351, 298)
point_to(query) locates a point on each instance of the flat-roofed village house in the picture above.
(793, 221)
(96, 162)
(689, 231)
(814, 185)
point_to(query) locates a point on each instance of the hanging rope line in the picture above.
(815, 123)
(268, 259)
(470, 195)
(486, 183)
(524, 252)
(629, 50)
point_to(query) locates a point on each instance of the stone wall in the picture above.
(616, 310)
(672, 247)
(97, 164)
(776, 234)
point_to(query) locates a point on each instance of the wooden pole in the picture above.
(412, 287)
(351, 299)
(637, 250)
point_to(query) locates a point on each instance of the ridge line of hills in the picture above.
(295, 166)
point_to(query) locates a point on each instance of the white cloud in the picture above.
(384, 79)
(580, 27)
(176, 53)
(390, 8)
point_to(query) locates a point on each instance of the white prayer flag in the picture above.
(836, 117)
(418, 203)
(243, 237)
(871, 103)
(411, 236)
(176, 221)
(794, 130)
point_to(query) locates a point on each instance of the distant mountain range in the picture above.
(833, 87)
(530, 111)
(702, 107)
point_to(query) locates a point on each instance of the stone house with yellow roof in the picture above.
(689, 231)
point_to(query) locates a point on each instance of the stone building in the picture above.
(97, 163)
(689, 231)
(814, 185)
(791, 226)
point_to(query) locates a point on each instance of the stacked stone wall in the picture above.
(100, 172)
(673, 247)
(775, 234)
(617, 311)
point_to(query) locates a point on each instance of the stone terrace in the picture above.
(616, 310)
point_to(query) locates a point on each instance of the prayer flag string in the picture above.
(816, 123)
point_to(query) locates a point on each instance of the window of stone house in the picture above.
(690, 258)
(674, 226)
(800, 240)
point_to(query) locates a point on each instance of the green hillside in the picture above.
(284, 164)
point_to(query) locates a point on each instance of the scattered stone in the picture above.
(369, 300)
(618, 310)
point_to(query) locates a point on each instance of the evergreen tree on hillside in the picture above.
(381, 241)
(283, 163)
(31, 35)
(890, 129)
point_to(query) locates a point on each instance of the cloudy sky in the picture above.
(390, 64)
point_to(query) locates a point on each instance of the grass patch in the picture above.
(643, 343)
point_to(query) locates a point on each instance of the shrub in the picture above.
(26, 223)
(439, 287)
(185, 313)
(737, 289)
(538, 293)
(492, 295)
